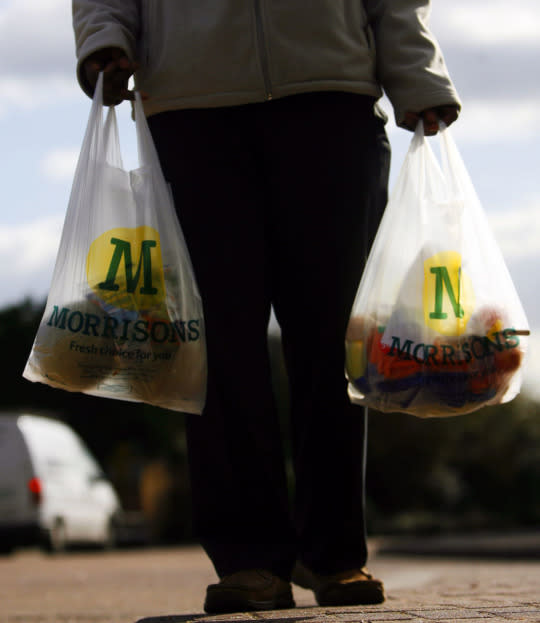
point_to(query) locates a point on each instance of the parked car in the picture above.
(52, 490)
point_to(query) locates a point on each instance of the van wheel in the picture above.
(111, 536)
(56, 538)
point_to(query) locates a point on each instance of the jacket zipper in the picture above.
(145, 21)
(263, 55)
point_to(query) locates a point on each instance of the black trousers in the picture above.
(279, 202)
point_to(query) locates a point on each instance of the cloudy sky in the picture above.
(494, 57)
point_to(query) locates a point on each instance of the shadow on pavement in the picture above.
(272, 617)
(181, 618)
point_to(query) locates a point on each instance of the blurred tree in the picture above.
(480, 470)
(476, 471)
(107, 426)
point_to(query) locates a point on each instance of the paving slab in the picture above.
(167, 586)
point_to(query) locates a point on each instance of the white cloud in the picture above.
(517, 230)
(37, 54)
(486, 22)
(59, 164)
(496, 120)
(36, 38)
(28, 247)
(20, 93)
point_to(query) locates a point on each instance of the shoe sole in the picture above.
(363, 593)
(224, 604)
(354, 594)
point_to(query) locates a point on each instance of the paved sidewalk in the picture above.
(425, 588)
(167, 585)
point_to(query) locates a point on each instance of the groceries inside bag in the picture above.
(437, 328)
(124, 317)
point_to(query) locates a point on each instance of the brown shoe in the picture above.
(243, 591)
(347, 588)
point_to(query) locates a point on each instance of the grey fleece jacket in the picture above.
(208, 53)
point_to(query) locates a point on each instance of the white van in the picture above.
(52, 491)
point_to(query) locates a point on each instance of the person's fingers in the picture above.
(117, 69)
(431, 121)
(431, 118)
(91, 72)
(115, 83)
(410, 121)
(126, 64)
(448, 114)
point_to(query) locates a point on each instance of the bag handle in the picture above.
(145, 143)
(108, 132)
(454, 168)
(428, 175)
(93, 141)
(113, 153)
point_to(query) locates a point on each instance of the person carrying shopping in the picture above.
(264, 114)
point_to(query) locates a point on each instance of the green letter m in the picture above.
(442, 280)
(123, 249)
(58, 319)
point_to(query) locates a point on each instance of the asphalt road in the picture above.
(168, 585)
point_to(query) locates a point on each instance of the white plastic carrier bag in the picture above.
(124, 317)
(437, 328)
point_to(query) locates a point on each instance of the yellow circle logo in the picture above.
(448, 294)
(125, 269)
